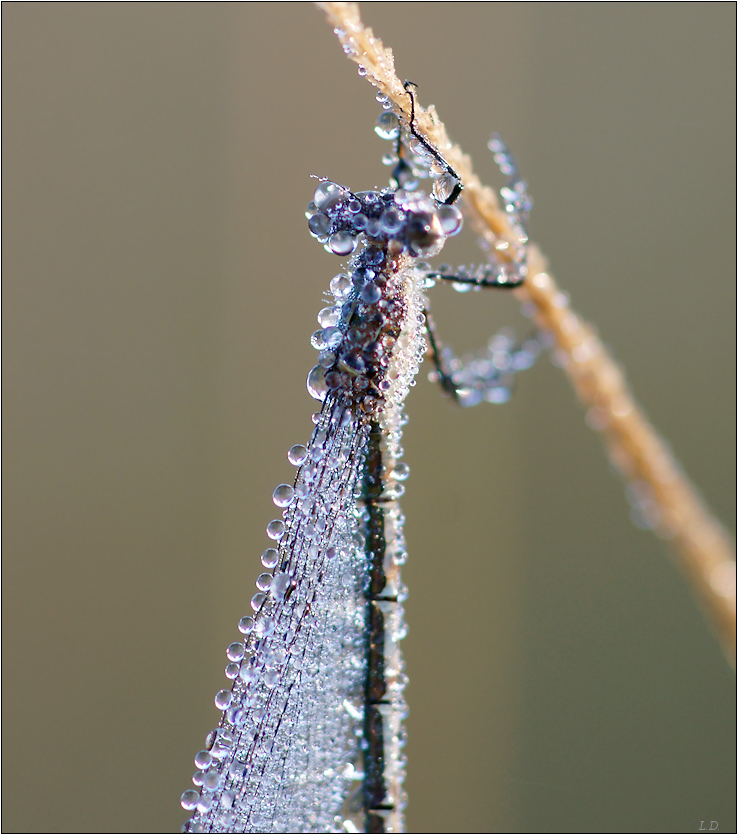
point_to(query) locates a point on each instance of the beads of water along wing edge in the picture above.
(283, 495)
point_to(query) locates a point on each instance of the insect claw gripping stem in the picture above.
(458, 185)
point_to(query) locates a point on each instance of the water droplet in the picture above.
(256, 603)
(374, 255)
(283, 495)
(297, 454)
(391, 221)
(327, 194)
(442, 188)
(317, 341)
(317, 387)
(400, 556)
(340, 285)
(270, 558)
(246, 624)
(279, 585)
(263, 582)
(451, 219)
(205, 802)
(275, 529)
(235, 651)
(232, 670)
(333, 380)
(388, 126)
(237, 769)
(341, 243)
(373, 228)
(189, 800)
(370, 293)
(319, 225)
(353, 363)
(402, 471)
(203, 759)
(265, 626)
(326, 359)
(328, 317)
(469, 396)
(211, 780)
(332, 337)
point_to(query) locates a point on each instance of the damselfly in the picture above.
(311, 735)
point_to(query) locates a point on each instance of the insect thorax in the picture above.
(371, 344)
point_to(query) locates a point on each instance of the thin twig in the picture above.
(659, 490)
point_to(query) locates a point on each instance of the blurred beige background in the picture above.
(160, 288)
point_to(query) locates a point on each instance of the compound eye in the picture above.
(424, 234)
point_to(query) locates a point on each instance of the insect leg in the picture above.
(487, 376)
(484, 275)
(441, 359)
(434, 152)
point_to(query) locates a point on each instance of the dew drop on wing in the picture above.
(270, 558)
(316, 383)
(297, 454)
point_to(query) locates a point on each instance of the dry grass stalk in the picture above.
(655, 482)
